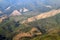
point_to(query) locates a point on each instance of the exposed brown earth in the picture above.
(2, 18)
(31, 33)
(42, 16)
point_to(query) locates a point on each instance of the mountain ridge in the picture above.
(42, 16)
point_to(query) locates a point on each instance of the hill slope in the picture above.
(42, 16)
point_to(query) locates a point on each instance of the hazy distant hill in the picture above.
(34, 5)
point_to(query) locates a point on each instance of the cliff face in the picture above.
(42, 16)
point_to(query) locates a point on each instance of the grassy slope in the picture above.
(51, 23)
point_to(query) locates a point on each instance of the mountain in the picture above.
(29, 19)
(42, 16)
(15, 13)
(8, 6)
(0, 12)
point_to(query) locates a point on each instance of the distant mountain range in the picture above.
(8, 6)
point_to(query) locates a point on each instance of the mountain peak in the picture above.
(15, 13)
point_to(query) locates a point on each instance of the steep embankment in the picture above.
(42, 16)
